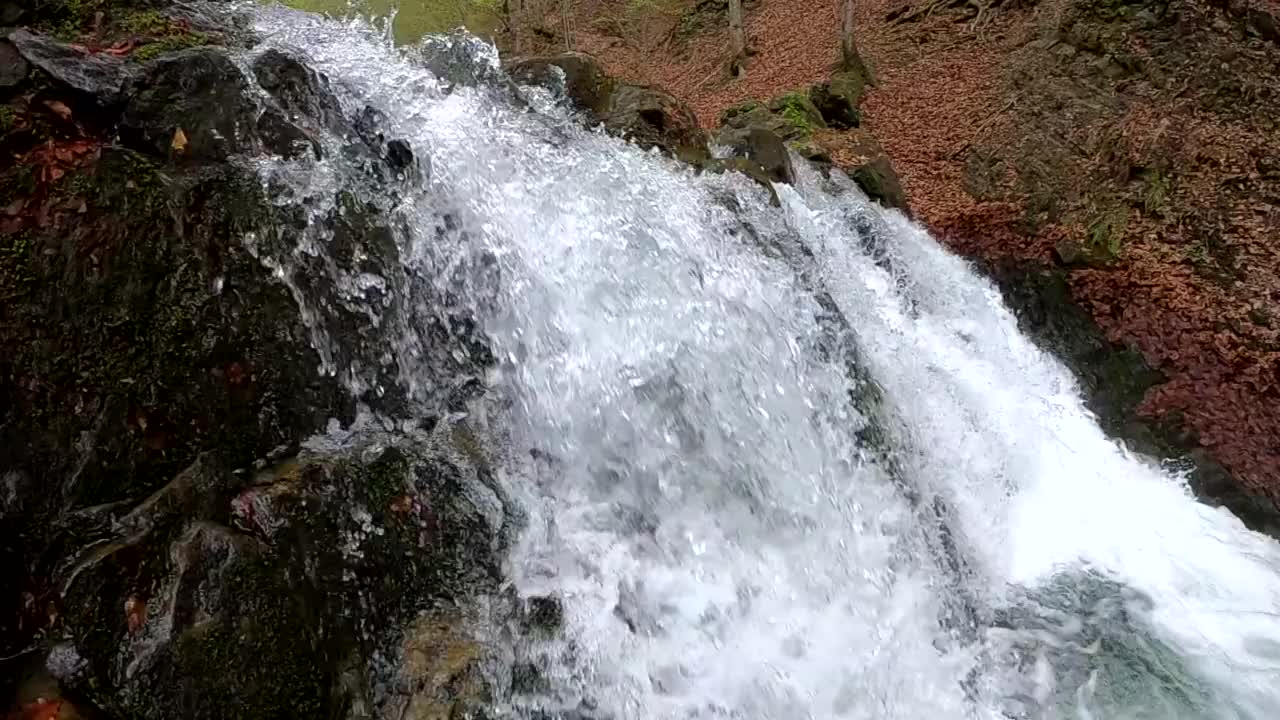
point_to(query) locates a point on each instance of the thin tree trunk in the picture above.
(515, 21)
(847, 47)
(564, 21)
(738, 39)
(850, 60)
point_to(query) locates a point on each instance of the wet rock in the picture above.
(579, 76)
(543, 614)
(460, 58)
(99, 76)
(302, 93)
(751, 169)
(879, 181)
(443, 667)
(202, 92)
(13, 67)
(648, 116)
(1266, 23)
(279, 136)
(653, 118)
(141, 333)
(368, 126)
(273, 596)
(399, 155)
(761, 146)
(869, 167)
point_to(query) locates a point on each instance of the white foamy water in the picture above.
(737, 526)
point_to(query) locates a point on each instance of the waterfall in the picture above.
(787, 461)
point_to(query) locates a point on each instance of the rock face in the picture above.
(221, 598)
(168, 548)
(646, 115)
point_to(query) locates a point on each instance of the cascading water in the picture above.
(782, 462)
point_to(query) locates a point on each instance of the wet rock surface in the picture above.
(99, 76)
(169, 548)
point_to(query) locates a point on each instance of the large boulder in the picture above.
(646, 115)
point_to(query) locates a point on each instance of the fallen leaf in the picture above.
(15, 207)
(59, 107)
(179, 143)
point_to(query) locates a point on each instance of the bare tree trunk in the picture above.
(516, 18)
(850, 60)
(848, 49)
(564, 21)
(738, 39)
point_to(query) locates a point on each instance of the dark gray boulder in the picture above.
(202, 93)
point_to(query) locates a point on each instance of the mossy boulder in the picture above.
(837, 99)
(646, 115)
(796, 125)
(799, 112)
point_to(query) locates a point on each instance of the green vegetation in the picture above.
(1156, 191)
(148, 22)
(169, 44)
(798, 111)
(416, 18)
(1106, 233)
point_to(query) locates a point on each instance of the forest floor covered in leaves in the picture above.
(1132, 145)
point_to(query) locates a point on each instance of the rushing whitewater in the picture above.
(778, 462)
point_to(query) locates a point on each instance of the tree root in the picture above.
(981, 11)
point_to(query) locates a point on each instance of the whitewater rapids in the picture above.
(787, 462)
